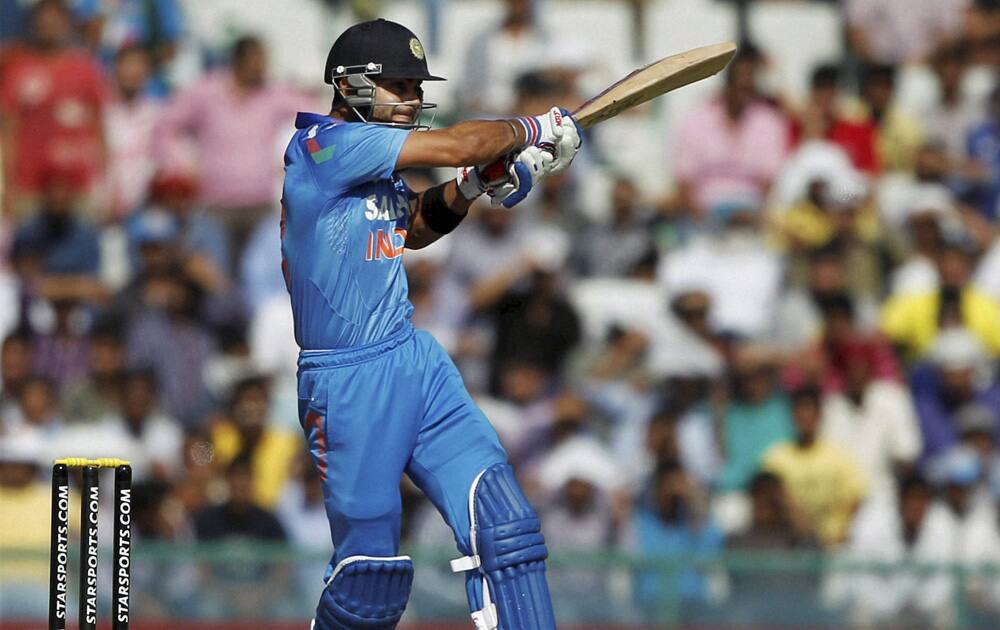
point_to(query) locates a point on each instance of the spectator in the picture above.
(931, 188)
(615, 248)
(302, 513)
(873, 419)
(15, 370)
(957, 373)
(757, 417)
(977, 425)
(959, 475)
(138, 431)
(59, 251)
(489, 260)
(189, 237)
(16, 15)
(899, 134)
(931, 221)
(671, 522)
(950, 119)
(772, 529)
(154, 26)
(982, 25)
(260, 266)
(901, 31)
(249, 431)
(831, 212)
(239, 517)
(683, 436)
(557, 432)
(914, 320)
(166, 335)
(822, 118)
(915, 528)
(431, 296)
(771, 523)
(579, 519)
(842, 340)
(802, 312)
(60, 354)
(244, 590)
(731, 148)
(159, 517)
(36, 414)
(833, 273)
(25, 503)
(234, 116)
(640, 326)
(983, 143)
(741, 275)
(166, 239)
(52, 98)
(537, 323)
(501, 54)
(130, 120)
(97, 394)
(824, 483)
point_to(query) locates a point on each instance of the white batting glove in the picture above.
(508, 179)
(555, 131)
(528, 168)
(568, 144)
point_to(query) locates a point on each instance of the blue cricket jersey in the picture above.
(343, 227)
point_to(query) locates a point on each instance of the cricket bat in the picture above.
(653, 80)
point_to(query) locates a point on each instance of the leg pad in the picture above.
(365, 592)
(505, 575)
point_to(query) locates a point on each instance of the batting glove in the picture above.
(555, 132)
(507, 180)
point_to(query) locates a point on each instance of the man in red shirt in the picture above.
(51, 105)
(821, 119)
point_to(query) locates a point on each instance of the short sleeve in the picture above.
(345, 155)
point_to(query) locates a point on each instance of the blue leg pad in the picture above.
(505, 576)
(365, 592)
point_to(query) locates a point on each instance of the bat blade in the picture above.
(653, 80)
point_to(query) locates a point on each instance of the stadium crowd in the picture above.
(797, 348)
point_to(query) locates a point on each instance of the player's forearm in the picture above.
(422, 234)
(472, 142)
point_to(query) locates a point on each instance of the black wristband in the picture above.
(437, 215)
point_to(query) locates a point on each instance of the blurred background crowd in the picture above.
(760, 315)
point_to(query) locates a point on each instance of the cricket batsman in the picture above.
(376, 397)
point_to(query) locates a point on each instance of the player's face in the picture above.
(397, 100)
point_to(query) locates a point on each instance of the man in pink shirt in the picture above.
(729, 149)
(238, 121)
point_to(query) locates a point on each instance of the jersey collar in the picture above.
(306, 119)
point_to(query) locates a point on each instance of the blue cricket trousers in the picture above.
(370, 413)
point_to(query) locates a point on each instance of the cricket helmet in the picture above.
(377, 48)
